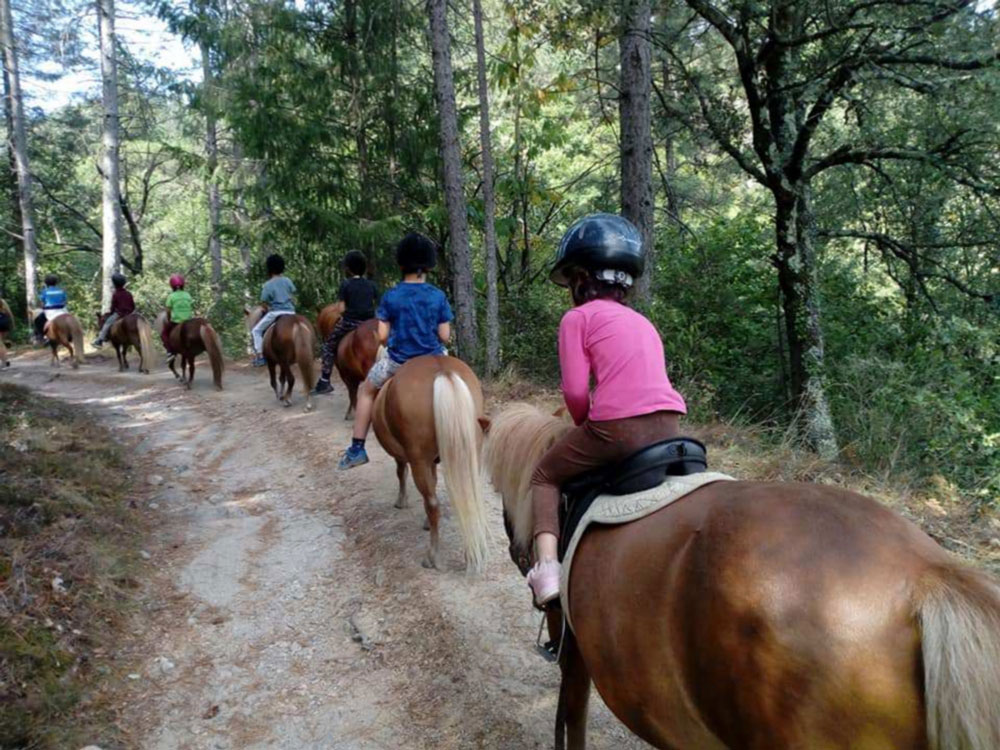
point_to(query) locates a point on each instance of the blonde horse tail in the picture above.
(76, 334)
(959, 613)
(305, 344)
(145, 342)
(213, 347)
(456, 427)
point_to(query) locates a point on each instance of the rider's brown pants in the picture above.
(589, 446)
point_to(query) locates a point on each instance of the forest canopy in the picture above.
(818, 184)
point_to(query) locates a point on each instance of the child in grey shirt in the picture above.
(277, 293)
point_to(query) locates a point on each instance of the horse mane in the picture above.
(252, 315)
(518, 438)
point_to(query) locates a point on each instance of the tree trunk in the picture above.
(458, 227)
(211, 166)
(489, 203)
(111, 225)
(800, 299)
(636, 138)
(19, 147)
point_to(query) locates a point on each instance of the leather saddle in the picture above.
(643, 470)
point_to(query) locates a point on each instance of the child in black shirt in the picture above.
(358, 295)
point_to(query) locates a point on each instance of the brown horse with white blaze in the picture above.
(65, 330)
(188, 340)
(432, 410)
(132, 330)
(356, 352)
(290, 340)
(765, 615)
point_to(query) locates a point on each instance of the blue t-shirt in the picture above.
(413, 312)
(53, 298)
(278, 292)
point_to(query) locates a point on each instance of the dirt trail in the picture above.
(285, 605)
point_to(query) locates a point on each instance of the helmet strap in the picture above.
(613, 276)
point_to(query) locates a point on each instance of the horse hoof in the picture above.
(427, 524)
(401, 503)
(428, 562)
(286, 404)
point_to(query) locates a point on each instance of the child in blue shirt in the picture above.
(53, 300)
(278, 293)
(414, 317)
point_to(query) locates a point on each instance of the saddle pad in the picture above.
(617, 509)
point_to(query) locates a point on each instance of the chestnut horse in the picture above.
(189, 339)
(432, 409)
(65, 330)
(356, 352)
(6, 325)
(766, 615)
(130, 330)
(288, 341)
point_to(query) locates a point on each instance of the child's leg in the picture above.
(363, 412)
(106, 328)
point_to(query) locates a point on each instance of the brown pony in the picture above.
(65, 330)
(189, 339)
(431, 410)
(288, 341)
(130, 330)
(5, 329)
(356, 352)
(766, 615)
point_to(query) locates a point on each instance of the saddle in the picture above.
(641, 471)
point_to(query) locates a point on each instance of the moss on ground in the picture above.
(69, 540)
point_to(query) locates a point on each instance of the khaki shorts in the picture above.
(382, 370)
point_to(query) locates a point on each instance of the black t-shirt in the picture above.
(359, 298)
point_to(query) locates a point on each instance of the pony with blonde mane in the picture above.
(5, 331)
(189, 339)
(764, 615)
(432, 410)
(290, 340)
(65, 330)
(130, 330)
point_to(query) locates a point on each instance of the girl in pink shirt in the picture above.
(632, 404)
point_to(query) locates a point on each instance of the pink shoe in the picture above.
(544, 581)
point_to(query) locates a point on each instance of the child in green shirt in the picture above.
(180, 307)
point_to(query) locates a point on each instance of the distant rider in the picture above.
(277, 294)
(54, 303)
(414, 317)
(633, 404)
(358, 295)
(180, 307)
(122, 304)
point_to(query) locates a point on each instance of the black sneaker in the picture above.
(322, 386)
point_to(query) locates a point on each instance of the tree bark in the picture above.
(19, 147)
(489, 202)
(636, 137)
(458, 226)
(111, 224)
(211, 166)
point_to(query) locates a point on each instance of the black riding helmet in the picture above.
(415, 253)
(600, 242)
(356, 263)
(118, 280)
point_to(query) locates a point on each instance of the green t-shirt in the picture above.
(181, 306)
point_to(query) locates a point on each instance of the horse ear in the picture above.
(485, 425)
(560, 412)
(246, 311)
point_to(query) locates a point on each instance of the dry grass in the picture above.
(68, 548)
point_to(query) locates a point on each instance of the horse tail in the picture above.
(145, 341)
(959, 613)
(304, 341)
(518, 438)
(76, 338)
(457, 430)
(213, 347)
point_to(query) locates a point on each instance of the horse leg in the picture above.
(55, 354)
(274, 381)
(125, 356)
(190, 364)
(425, 477)
(119, 355)
(574, 695)
(352, 400)
(291, 384)
(401, 501)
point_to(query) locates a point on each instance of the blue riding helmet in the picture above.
(600, 243)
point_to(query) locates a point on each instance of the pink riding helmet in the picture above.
(176, 281)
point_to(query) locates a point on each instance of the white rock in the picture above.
(144, 555)
(133, 676)
(154, 506)
(57, 585)
(155, 479)
(163, 665)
